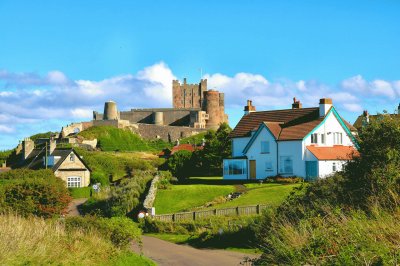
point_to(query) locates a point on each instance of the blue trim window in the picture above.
(268, 166)
(235, 167)
(264, 146)
(286, 165)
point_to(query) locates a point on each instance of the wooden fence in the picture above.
(198, 215)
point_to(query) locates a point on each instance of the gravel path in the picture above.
(166, 253)
(72, 209)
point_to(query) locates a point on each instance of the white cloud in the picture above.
(6, 129)
(353, 107)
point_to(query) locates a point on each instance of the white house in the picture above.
(305, 142)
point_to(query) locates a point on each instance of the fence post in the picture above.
(215, 211)
(194, 216)
(258, 208)
(173, 217)
(237, 210)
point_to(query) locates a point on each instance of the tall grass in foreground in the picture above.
(35, 241)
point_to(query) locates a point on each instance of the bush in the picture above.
(180, 164)
(284, 180)
(165, 180)
(33, 192)
(119, 230)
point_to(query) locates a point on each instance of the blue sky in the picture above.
(61, 59)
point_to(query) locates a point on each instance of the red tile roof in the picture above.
(181, 147)
(337, 152)
(288, 124)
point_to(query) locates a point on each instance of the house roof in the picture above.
(359, 121)
(35, 158)
(252, 120)
(288, 124)
(337, 152)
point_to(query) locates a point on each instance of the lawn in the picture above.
(79, 193)
(179, 198)
(271, 194)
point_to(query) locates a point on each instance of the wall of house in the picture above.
(254, 153)
(238, 145)
(330, 126)
(325, 168)
(294, 149)
(70, 166)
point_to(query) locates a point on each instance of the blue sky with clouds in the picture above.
(59, 60)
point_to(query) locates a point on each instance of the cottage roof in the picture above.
(359, 121)
(288, 124)
(181, 147)
(336, 152)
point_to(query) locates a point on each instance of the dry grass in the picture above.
(41, 242)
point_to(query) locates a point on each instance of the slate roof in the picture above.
(359, 121)
(337, 152)
(288, 124)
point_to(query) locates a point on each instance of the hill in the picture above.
(117, 139)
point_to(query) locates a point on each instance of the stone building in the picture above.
(195, 109)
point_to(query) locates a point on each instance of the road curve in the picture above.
(165, 253)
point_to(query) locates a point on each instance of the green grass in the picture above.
(186, 197)
(196, 139)
(130, 259)
(271, 194)
(116, 139)
(78, 193)
(198, 243)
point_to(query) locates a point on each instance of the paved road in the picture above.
(166, 253)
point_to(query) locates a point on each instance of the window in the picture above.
(323, 138)
(337, 138)
(74, 181)
(72, 157)
(286, 165)
(314, 138)
(264, 146)
(235, 167)
(334, 167)
(268, 166)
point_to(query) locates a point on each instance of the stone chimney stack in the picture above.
(249, 108)
(324, 105)
(296, 104)
(27, 147)
(366, 115)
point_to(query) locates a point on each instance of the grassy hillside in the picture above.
(116, 139)
(112, 165)
(196, 139)
(34, 241)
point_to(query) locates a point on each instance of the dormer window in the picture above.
(314, 138)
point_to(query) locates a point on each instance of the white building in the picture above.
(305, 142)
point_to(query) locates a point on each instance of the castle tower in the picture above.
(188, 95)
(214, 106)
(110, 111)
(27, 147)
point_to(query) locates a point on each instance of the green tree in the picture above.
(181, 164)
(217, 147)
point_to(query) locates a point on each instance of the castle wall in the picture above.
(188, 95)
(170, 116)
(166, 133)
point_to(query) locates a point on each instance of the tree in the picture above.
(217, 147)
(180, 164)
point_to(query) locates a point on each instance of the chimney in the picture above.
(366, 115)
(324, 105)
(296, 104)
(27, 147)
(249, 108)
(53, 145)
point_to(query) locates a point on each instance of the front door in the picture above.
(311, 170)
(252, 169)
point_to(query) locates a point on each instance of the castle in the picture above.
(195, 109)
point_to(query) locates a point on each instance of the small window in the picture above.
(314, 138)
(268, 166)
(334, 167)
(337, 138)
(264, 146)
(74, 181)
(286, 165)
(72, 157)
(323, 138)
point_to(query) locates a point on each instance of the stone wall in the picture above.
(171, 116)
(166, 133)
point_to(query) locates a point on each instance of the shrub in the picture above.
(284, 180)
(119, 230)
(180, 164)
(33, 192)
(165, 179)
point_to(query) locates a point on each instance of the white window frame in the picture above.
(314, 138)
(74, 181)
(265, 147)
(322, 138)
(334, 167)
(235, 167)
